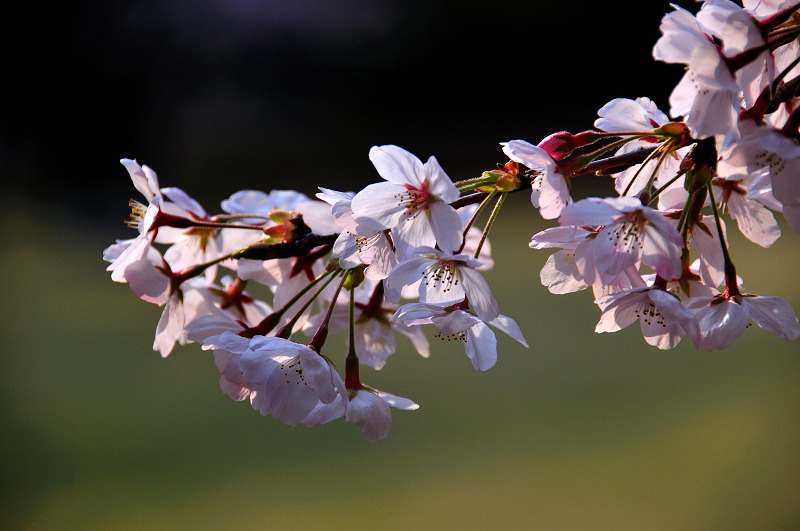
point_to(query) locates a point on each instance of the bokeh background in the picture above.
(580, 431)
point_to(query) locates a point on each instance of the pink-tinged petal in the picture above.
(407, 273)
(147, 282)
(681, 36)
(416, 231)
(620, 310)
(268, 272)
(755, 221)
(661, 251)
(397, 402)
(134, 251)
(318, 216)
(455, 322)
(325, 413)
(439, 184)
(321, 377)
(416, 313)
(481, 347)
(553, 194)
(227, 341)
(396, 165)
(113, 251)
(381, 259)
(479, 293)
(616, 248)
(560, 275)
(709, 252)
(624, 114)
(370, 413)
(183, 200)
(528, 155)
(721, 323)
(665, 330)
(786, 189)
(144, 179)
(774, 315)
(567, 236)
(247, 202)
(285, 396)
(380, 204)
(170, 326)
(374, 343)
(231, 380)
(589, 211)
(446, 226)
(332, 197)
(510, 327)
(346, 250)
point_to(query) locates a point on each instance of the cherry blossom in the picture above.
(631, 232)
(723, 318)
(549, 190)
(445, 278)
(458, 324)
(413, 202)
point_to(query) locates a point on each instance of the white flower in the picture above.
(359, 243)
(367, 408)
(707, 95)
(413, 202)
(664, 321)
(723, 318)
(288, 379)
(549, 190)
(631, 233)
(456, 324)
(445, 278)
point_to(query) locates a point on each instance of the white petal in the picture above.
(446, 225)
(481, 347)
(774, 315)
(170, 326)
(147, 282)
(396, 165)
(480, 295)
(370, 413)
(509, 326)
(439, 184)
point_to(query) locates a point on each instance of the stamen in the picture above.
(443, 275)
(455, 336)
(414, 200)
(138, 210)
(293, 366)
(627, 235)
(648, 313)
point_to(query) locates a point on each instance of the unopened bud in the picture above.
(562, 144)
(674, 128)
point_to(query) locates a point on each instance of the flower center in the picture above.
(414, 199)
(441, 275)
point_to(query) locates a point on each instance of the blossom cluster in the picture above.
(262, 283)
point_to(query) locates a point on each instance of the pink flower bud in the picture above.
(562, 144)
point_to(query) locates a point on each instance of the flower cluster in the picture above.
(405, 253)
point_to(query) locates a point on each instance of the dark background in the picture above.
(579, 431)
(221, 96)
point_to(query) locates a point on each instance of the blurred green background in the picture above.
(580, 431)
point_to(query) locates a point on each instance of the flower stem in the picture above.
(731, 285)
(490, 222)
(352, 379)
(321, 334)
(286, 330)
(474, 216)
